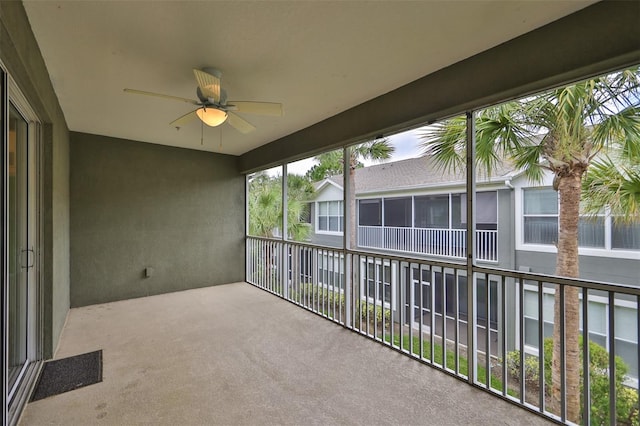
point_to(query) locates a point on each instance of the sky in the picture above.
(406, 146)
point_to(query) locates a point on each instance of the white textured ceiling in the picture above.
(318, 58)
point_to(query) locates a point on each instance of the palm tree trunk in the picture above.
(567, 266)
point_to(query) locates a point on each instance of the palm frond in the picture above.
(376, 150)
(622, 128)
(445, 141)
(616, 186)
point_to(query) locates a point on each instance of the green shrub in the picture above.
(316, 296)
(627, 399)
(531, 370)
(364, 307)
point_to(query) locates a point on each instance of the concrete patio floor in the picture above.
(236, 355)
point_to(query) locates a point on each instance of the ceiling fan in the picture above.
(213, 106)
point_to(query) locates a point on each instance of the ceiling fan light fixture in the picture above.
(211, 116)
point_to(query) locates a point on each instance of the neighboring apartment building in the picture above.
(412, 208)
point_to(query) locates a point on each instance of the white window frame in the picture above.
(317, 217)
(333, 261)
(380, 265)
(631, 381)
(607, 251)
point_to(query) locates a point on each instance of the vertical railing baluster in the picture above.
(521, 337)
(409, 314)
(376, 289)
(456, 319)
(313, 291)
(563, 357)
(403, 300)
(419, 268)
(336, 288)
(487, 349)
(586, 359)
(503, 330)
(444, 319)
(638, 345)
(541, 353)
(368, 289)
(433, 316)
(355, 289)
(612, 359)
(383, 301)
(392, 316)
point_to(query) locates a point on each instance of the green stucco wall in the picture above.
(136, 205)
(21, 58)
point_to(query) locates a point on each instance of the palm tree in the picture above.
(300, 190)
(560, 131)
(266, 214)
(265, 206)
(331, 164)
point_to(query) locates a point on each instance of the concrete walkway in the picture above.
(236, 355)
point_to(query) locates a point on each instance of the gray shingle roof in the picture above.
(415, 173)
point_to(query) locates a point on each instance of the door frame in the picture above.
(16, 397)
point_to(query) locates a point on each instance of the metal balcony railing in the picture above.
(429, 241)
(492, 328)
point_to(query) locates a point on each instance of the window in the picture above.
(432, 211)
(370, 212)
(625, 236)
(625, 312)
(540, 216)
(458, 211)
(486, 210)
(591, 231)
(540, 223)
(330, 217)
(397, 212)
(531, 334)
(421, 281)
(331, 270)
(305, 215)
(377, 279)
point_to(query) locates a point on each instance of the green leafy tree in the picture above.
(265, 206)
(329, 164)
(560, 131)
(266, 213)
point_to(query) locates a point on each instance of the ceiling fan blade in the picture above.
(179, 122)
(160, 95)
(261, 108)
(240, 124)
(209, 84)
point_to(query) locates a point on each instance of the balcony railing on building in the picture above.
(429, 241)
(492, 328)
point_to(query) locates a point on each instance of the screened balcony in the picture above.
(432, 225)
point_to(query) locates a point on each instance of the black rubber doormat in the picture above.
(66, 374)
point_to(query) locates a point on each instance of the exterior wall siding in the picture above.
(606, 269)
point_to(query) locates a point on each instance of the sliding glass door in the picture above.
(22, 238)
(18, 243)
